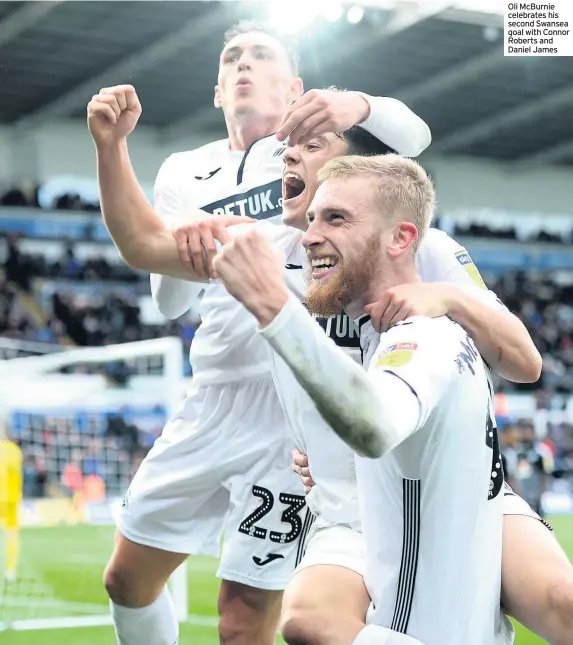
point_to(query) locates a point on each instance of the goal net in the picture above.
(84, 419)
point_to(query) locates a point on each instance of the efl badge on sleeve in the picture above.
(464, 258)
(397, 355)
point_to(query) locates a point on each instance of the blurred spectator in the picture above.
(509, 444)
(32, 486)
(532, 470)
(71, 266)
(127, 433)
(544, 302)
(72, 477)
(94, 488)
(17, 267)
(14, 197)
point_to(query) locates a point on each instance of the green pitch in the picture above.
(61, 576)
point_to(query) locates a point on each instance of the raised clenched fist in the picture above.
(113, 114)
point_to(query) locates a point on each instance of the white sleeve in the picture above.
(371, 416)
(442, 259)
(171, 296)
(421, 353)
(393, 123)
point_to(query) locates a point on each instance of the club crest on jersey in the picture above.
(397, 355)
(465, 259)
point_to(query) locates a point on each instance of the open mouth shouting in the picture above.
(323, 267)
(294, 186)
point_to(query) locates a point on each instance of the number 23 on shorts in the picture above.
(291, 515)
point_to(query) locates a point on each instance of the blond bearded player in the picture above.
(431, 510)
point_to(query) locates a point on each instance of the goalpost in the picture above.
(84, 419)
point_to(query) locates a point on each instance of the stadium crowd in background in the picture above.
(544, 302)
(104, 318)
(59, 456)
(540, 299)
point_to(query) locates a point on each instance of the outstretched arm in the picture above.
(500, 337)
(172, 297)
(142, 239)
(394, 123)
(389, 120)
(140, 236)
(453, 287)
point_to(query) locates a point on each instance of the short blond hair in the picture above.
(405, 190)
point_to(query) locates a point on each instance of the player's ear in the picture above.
(405, 236)
(217, 100)
(296, 88)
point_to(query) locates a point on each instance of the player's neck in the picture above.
(390, 277)
(243, 133)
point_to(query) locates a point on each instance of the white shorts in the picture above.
(223, 464)
(333, 544)
(343, 546)
(513, 504)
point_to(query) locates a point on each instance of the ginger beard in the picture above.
(349, 283)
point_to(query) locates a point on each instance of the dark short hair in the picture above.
(250, 26)
(360, 142)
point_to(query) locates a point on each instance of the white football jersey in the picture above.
(331, 461)
(223, 182)
(432, 508)
(226, 347)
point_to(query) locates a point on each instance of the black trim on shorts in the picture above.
(545, 523)
(509, 492)
(410, 553)
(309, 519)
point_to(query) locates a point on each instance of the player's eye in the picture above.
(336, 217)
(312, 145)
